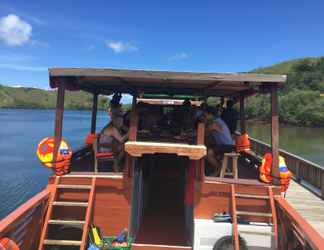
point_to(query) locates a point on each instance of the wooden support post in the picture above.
(201, 166)
(322, 184)
(242, 116)
(275, 133)
(201, 134)
(58, 120)
(94, 113)
(133, 122)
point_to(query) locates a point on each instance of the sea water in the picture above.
(21, 174)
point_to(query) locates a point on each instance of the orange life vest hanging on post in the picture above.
(265, 168)
(242, 143)
(90, 138)
(284, 173)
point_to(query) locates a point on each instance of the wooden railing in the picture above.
(24, 224)
(294, 231)
(307, 173)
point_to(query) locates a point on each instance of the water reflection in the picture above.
(305, 142)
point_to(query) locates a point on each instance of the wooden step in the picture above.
(64, 186)
(254, 213)
(256, 233)
(66, 222)
(62, 242)
(70, 204)
(265, 197)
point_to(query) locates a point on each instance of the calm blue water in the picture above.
(21, 174)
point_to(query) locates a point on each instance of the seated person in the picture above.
(149, 116)
(185, 116)
(110, 139)
(230, 116)
(219, 139)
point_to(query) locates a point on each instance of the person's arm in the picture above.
(215, 127)
(115, 133)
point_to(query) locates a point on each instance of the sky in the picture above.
(191, 35)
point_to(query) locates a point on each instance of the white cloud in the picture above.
(180, 56)
(14, 31)
(40, 44)
(119, 47)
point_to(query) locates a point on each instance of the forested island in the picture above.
(34, 98)
(302, 96)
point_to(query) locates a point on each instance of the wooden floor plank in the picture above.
(307, 204)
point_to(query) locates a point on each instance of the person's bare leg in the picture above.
(211, 157)
(218, 169)
(115, 165)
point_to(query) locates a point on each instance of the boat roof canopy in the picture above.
(107, 81)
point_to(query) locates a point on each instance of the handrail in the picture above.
(8, 221)
(295, 223)
(24, 224)
(288, 153)
(305, 171)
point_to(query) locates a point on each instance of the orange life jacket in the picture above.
(265, 171)
(285, 174)
(45, 153)
(8, 244)
(265, 168)
(242, 143)
(90, 138)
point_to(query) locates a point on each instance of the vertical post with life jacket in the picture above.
(265, 171)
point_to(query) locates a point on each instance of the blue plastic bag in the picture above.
(93, 247)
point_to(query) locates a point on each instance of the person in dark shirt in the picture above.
(230, 116)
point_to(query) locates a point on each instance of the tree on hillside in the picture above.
(300, 100)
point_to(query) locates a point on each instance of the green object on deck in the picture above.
(109, 239)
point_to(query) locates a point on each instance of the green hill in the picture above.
(13, 97)
(285, 67)
(301, 98)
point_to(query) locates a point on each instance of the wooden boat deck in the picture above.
(310, 206)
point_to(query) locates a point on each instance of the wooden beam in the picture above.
(234, 219)
(94, 113)
(58, 120)
(201, 134)
(201, 164)
(149, 76)
(275, 133)
(137, 149)
(89, 214)
(134, 121)
(242, 115)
